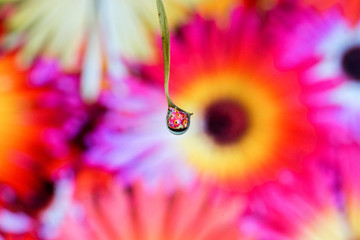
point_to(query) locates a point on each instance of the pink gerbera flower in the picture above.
(250, 120)
(106, 210)
(39, 118)
(332, 44)
(322, 203)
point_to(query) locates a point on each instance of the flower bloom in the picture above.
(124, 16)
(334, 47)
(39, 117)
(250, 119)
(104, 209)
(321, 203)
(93, 34)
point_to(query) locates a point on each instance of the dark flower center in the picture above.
(351, 62)
(94, 116)
(31, 201)
(226, 121)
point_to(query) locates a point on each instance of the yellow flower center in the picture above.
(332, 223)
(15, 129)
(22, 183)
(241, 123)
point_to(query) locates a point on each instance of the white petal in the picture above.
(14, 222)
(91, 75)
(110, 31)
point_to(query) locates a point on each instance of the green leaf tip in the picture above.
(165, 39)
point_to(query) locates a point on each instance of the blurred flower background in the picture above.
(273, 150)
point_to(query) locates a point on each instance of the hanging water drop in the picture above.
(178, 121)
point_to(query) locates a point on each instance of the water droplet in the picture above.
(178, 121)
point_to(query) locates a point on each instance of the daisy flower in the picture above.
(250, 119)
(334, 46)
(93, 35)
(322, 203)
(38, 121)
(104, 209)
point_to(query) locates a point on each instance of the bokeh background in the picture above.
(273, 149)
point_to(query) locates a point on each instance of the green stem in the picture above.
(165, 39)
